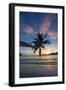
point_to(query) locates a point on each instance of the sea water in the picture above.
(35, 66)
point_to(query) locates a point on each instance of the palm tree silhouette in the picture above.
(39, 42)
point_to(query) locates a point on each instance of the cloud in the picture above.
(45, 25)
(28, 29)
(53, 33)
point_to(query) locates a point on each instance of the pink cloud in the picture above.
(28, 29)
(45, 25)
(53, 33)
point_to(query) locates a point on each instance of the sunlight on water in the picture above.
(35, 66)
(48, 58)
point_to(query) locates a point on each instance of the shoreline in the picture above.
(44, 63)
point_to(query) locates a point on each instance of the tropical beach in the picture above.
(38, 45)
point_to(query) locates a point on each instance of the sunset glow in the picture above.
(44, 23)
(38, 45)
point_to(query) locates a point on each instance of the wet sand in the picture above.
(38, 68)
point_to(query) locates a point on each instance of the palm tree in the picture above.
(39, 42)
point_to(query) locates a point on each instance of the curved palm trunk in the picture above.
(39, 51)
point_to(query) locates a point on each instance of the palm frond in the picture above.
(46, 42)
(34, 42)
(35, 50)
(42, 46)
(36, 39)
(45, 36)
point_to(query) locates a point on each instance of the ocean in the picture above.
(35, 66)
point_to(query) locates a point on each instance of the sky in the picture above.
(45, 23)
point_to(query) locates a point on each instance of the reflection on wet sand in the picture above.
(38, 68)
